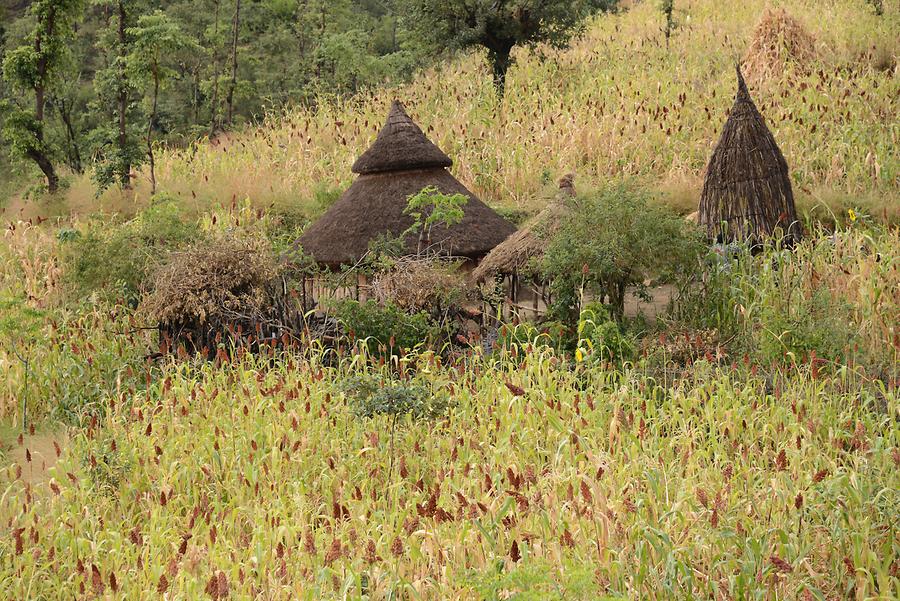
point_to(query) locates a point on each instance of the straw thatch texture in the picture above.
(780, 46)
(400, 145)
(747, 190)
(518, 254)
(374, 205)
(400, 164)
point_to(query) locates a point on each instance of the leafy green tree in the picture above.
(251, 58)
(614, 241)
(36, 67)
(232, 84)
(157, 41)
(217, 42)
(430, 207)
(500, 25)
(119, 145)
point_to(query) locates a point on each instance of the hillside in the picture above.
(617, 104)
(192, 406)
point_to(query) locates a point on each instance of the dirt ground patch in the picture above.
(660, 298)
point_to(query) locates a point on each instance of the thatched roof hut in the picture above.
(517, 254)
(400, 163)
(747, 191)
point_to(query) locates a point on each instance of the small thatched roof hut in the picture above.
(400, 163)
(747, 191)
(515, 255)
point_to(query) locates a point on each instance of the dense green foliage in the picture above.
(616, 240)
(133, 72)
(384, 328)
(803, 305)
(36, 70)
(104, 257)
(372, 395)
(498, 27)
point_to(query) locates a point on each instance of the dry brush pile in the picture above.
(201, 293)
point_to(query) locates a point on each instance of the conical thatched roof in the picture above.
(400, 163)
(747, 191)
(518, 253)
(400, 145)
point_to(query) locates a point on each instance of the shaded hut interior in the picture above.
(513, 264)
(747, 194)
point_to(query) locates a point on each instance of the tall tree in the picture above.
(235, 35)
(157, 42)
(118, 145)
(124, 85)
(500, 25)
(216, 41)
(35, 67)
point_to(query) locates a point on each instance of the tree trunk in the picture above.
(125, 164)
(150, 158)
(617, 300)
(195, 94)
(38, 152)
(39, 103)
(214, 102)
(235, 29)
(501, 61)
(46, 167)
(74, 154)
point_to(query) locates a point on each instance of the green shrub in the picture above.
(613, 241)
(384, 325)
(825, 298)
(710, 300)
(802, 325)
(325, 195)
(284, 228)
(108, 255)
(370, 396)
(601, 338)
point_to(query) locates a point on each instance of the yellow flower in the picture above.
(579, 356)
(852, 214)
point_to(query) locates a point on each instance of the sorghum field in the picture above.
(689, 472)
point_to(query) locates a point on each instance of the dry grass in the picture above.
(215, 283)
(421, 284)
(780, 47)
(28, 260)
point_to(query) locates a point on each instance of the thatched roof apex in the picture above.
(400, 146)
(747, 190)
